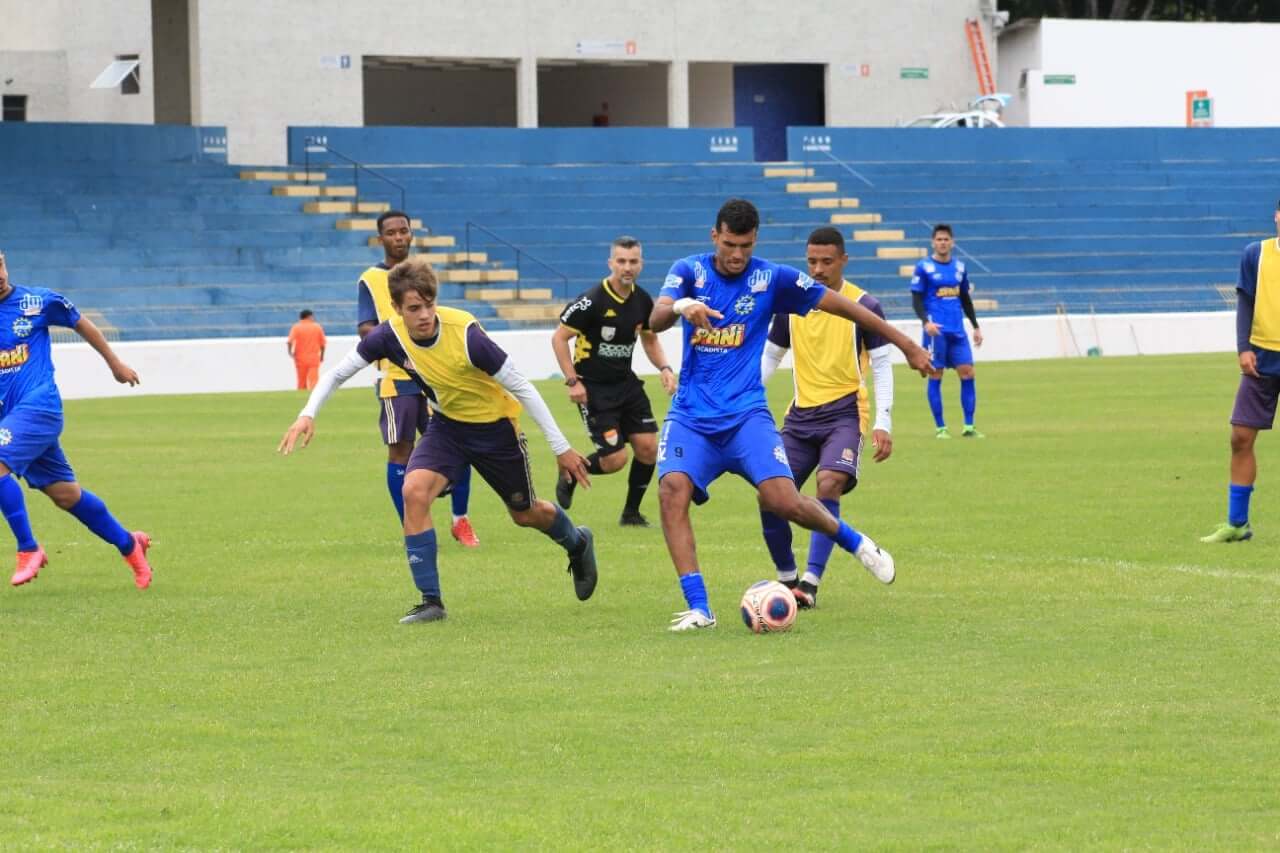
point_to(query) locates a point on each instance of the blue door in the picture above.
(770, 98)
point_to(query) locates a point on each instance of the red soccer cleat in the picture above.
(29, 565)
(462, 531)
(137, 560)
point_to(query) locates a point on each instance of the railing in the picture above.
(843, 165)
(316, 144)
(520, 253)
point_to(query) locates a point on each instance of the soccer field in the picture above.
(1059, 665)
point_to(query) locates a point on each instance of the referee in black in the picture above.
(605, 322)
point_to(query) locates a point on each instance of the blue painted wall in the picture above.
(1021, 143)
(528, 146)
(132, 143)
(770, 98)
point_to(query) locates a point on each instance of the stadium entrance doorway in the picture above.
(602, 94)
(769, 98)
(423, 91)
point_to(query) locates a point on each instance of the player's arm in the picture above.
(489, 357)
(966, 304)
(93, 336)
(775, 347)
(1246, 285)
(658, 358)
(675, 300)
(917, 301)
(560, 346)
(381, 343)
(366, 310)
(841, 306)
(882, 381)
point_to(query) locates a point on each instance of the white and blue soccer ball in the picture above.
(768, 606)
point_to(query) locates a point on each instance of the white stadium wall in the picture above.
(1137, 73)
(262, 364)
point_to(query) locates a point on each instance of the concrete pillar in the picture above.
(678, 93)
(527, 92)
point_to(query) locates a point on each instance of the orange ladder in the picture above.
(978, 50)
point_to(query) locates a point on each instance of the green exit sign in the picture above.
(1059, 79)
(913, 73)
(1202, 109)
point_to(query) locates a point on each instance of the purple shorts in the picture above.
(403, 418)
(1256, 402)
(835, 445)
(496, 450)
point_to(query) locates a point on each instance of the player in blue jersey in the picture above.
(719, 420)
(31, 424)
(939, 294)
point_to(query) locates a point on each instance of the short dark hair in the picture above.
(942, 226)
(738, 216)
(827, 236)
(306, 312)
(624, 241)
(414, 273)
(393, 214)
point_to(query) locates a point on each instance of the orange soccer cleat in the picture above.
(29, 565)
(463, 532)
(137, 560)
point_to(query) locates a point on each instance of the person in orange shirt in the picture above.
(306, 345)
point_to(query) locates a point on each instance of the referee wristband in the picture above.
(682, 303)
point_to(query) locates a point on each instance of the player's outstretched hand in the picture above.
(919, 359)
(573, 466)
(124, 374)
(1249, 363)
(304, 428)
(883, 443)
(977, 337)
(700, 315)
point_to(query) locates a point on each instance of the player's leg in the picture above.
(500, 455)
(641, 429)
(31, 557)
(937, 347)
(600, 417)
(687, 463)
(960, 355)
(1255, 409)
(436, 461)
(459, 493)
(837, 476)
(802, 455)
(397, 420)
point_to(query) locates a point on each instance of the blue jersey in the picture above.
(942, 285)
(26, 358)
(720, 375)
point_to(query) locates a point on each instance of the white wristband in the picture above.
(682, 303)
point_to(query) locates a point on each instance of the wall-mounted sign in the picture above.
(606, 47)
(1199, 109)
(913, 73)
(1059, 79)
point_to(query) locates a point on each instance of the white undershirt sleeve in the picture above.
(513, 380)
(882, 377)
(350, 365)
(770, 360)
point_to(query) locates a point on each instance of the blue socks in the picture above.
(420, 548)
(820, 546)
(461, 494)
(563, 533)
(934, 393)
(93, 514)
(395, 485)
(695, 592)
(1237, 506)
(968, 400)
(14, 507)
(847, 538)
(777, 538)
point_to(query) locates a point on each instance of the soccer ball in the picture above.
(768, 606)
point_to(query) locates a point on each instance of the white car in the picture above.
(982, 112)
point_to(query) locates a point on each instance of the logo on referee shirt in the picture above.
(607, 332)
(31, 303)
(5, 436)
(22, 326)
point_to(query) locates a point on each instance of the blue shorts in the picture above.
(29, 446)
(752, 450)
(949, 349)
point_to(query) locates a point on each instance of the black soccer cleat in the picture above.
(564, 492)
(806, 595)
(633, 518)
(430, 610)
(582, 565)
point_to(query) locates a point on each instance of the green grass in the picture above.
(1059, 665)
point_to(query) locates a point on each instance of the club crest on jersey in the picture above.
(727, 337)
(607, 332)
(31, 303)
(22, 327)
(15, 357)
(745, 304)
(759, 280)
(5, 436)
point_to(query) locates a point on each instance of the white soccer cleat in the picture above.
(876, 559)
(689, 620)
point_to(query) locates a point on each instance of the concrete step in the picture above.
(370, 225)
(274, 175)
(834, 202)
(787, 172)
(899, 253)
(879, 235)
(509, 294)
(811, 187)
(478, 276)
(856, 219)
(346, 207)
(525, 311)
(313, 191)
(440, 241)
